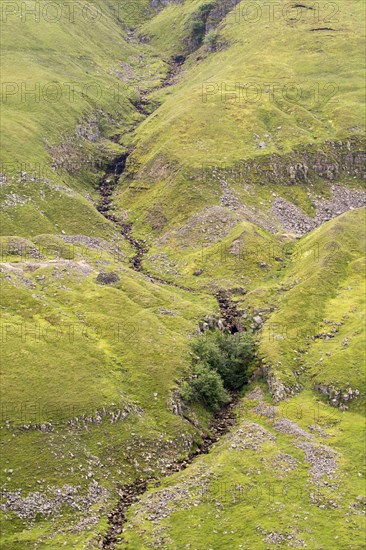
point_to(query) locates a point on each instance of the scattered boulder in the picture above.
(163, 311)
(110, 278)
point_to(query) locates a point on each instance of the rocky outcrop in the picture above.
(107, 278)
(334, 160)
(339, 398)
(278, 389)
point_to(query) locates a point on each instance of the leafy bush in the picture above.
(198, 22)
(220, 363)
(210, 40)
(228, 354)
(205, 386)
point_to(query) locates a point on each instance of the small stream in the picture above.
(106, 188)
(221, 423)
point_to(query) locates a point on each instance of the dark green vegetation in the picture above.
(230, 151)
(220, 362)
(228, 354)
(198, 23)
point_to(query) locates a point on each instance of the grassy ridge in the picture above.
(322, 288)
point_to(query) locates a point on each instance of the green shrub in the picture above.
(198, 22)
(229, 355)
(220, 364)
(205, 386)
(210, 40)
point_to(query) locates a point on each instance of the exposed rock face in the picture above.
(338, 397)
(277, 388)
(337, 158)
(175, 404)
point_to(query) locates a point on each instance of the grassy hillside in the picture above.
(77, 392)
(209, 119)
(69, 82)
(56, 55)
(252, 107)
(283, 477)
(231, 193)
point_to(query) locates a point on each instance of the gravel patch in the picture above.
(249, 436)
(294, 219)
(322, 459)
(162, 503)
(286, 426)
(50, 504)
(282, 463)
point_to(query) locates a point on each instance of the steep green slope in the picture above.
(253, 141)
(70, 81)
(253, 107)
(284, 477)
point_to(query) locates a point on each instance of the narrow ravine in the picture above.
(115, 169)
(220, 425)
(106, 187)
(109, 181)
(229, 310)
(224, 420)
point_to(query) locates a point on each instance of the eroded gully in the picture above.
(225, 418)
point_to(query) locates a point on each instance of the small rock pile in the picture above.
(28, 507)
(250, 436)
(110, 278)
